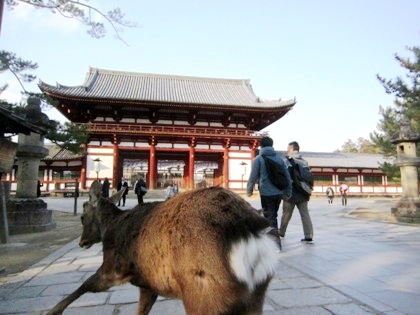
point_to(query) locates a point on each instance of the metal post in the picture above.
(4, 229)
(76, 194)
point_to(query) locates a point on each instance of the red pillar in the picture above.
(152, 167)
(83, 171)
(186, 183)
(191, 160)
(116, 172)
(226, 165)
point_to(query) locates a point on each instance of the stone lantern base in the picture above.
(407, 210)
(28, 215)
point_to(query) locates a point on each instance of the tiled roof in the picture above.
(10, 122)
(348, 160)
(131, 86)
(57, 153)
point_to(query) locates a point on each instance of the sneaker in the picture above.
(307, 240)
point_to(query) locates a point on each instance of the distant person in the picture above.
(38, 189)
(270, 195)
(140, 189)
(330, 194)
(344, 188)
(123, 185)
(299, 198)
(105, 188)
(170, 191)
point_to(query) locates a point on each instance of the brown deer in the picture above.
(207, 247)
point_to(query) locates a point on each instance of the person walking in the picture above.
(170, 191)
(140, 189)
(330, 194)
(38, 189)
(344, 188)
(123, 185)
(299, 198)
(270, 195)
(105, 188)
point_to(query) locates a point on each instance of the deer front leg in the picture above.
(94, 283)
(147, 299)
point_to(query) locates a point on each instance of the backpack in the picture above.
(139, 189)
(330, 192)
(303, 180)
(276, 173)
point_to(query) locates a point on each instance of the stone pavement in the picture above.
(356, 266)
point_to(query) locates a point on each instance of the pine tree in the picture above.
(407, 104)
(406, 109)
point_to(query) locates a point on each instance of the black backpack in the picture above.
(276, 173)
(303, 180)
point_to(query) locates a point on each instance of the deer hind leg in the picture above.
(147, 299)
(229, 301)
(94, 283)
(255, 304)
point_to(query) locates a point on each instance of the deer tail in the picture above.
(254, 259)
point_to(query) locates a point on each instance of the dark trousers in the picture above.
(344, 199)
(270, 205)
(140, 198)
(123, 200)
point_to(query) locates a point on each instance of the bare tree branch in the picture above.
(81, 11)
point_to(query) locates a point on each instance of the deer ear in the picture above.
(115, 198)
(95, 192)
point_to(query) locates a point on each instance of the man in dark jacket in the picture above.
(123, 185)
(138, 189)
(298, 199)
(105, 188)
(270, 195)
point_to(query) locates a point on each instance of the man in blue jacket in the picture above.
(270, 195)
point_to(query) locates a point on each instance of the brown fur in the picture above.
(178, 248)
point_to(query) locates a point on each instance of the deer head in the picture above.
(90, 218)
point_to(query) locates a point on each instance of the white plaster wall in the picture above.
(240, 155)
(164, 145)
(105, 168)
(100, 151)
(238, 171)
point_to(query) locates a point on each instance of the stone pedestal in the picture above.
(27, 215)
(407, 210)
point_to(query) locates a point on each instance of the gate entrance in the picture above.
(172, 167)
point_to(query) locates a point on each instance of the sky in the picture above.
(326, 53)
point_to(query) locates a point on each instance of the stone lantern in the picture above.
(408, 208)
(27, 213)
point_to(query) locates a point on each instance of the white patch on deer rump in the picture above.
(253, 260)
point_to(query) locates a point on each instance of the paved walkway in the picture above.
(356, 266)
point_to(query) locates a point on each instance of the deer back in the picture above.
(189, 238)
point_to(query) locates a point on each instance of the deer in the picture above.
(207, 247)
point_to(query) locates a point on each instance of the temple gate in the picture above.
(188, 130)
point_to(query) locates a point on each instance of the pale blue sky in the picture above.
(325, 53)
